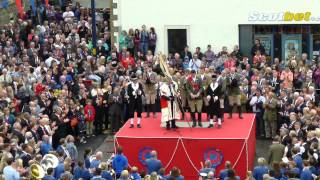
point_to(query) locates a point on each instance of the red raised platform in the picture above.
(186, 148)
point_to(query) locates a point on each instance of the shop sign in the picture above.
(287, 16)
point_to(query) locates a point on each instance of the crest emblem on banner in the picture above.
(144, 154)
(214, 155)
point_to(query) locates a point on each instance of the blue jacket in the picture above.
(119, 163)
(153, 165)
(306, 175)
(223, 173)
(259, 171)
(49, 178)
(296, 170)
(106, 175)
(87, 162)
(298, 160)
(59, 170)
(95, 163)
(80, 172)
(45, 148)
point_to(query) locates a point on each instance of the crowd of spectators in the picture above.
(55, 93)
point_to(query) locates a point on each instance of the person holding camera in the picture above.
(233, 91)
(195, 93)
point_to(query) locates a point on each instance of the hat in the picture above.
(133, 77)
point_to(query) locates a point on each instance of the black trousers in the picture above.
(115, 122)
(259, 124)
(135, 106)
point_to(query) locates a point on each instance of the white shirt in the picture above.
(194, 64)
(255, 100)
(67, 14)
(10, 173)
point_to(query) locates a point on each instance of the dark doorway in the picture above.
(177, 40)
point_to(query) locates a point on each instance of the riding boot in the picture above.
(193, 117)
(222, 114)
(199, 119)
(230, 112)
(182, 116)
(154, 111)
(148, 110)
(173, 124)
(240, 112)
(168, 125)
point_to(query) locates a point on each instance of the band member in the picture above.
(169, 107)
(270, 115)
(182, 81)
(213, 93)
(233, 91)
(135, 93)
(222, 80)
(150, 80)
(195, 101)
(115, 111)
(206, 80)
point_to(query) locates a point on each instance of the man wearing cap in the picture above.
(150, 80)
(135, 93)
(233, 91)
(213, 93)
(195, 101)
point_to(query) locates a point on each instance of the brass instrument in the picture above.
(36, 171)
(49, 161)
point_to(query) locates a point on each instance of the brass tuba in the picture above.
(36, 171)
(49, 161)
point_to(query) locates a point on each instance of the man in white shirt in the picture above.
(195, 63)
(68, 13)
(256, 103)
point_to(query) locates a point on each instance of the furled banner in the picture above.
(33, 5)
(20, 8)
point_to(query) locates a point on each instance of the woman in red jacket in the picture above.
(127, 60)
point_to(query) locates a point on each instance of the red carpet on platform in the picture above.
(186, 148)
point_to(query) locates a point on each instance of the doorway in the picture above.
(176, 38)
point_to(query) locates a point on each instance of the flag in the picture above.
(4, 4)
(20, 8)
(47, 2)
(33, 5)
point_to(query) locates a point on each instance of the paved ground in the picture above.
(105, 144)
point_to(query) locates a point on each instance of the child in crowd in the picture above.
(89, 113)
